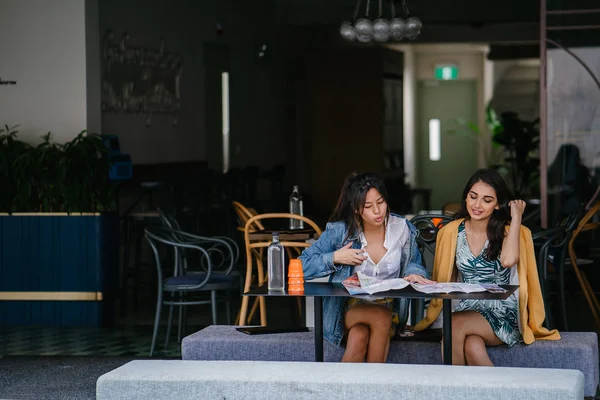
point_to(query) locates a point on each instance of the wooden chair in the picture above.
(585, 225)
(451, 208)
(243, 215)
(253, 255)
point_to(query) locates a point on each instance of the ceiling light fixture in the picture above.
(381, 30)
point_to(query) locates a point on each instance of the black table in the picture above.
(318, 290)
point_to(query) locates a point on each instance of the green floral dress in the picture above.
(501, 314)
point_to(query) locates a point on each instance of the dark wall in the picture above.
(334, 114)
(256, 136)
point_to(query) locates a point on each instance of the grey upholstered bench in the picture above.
(186, 380)
(576, 350)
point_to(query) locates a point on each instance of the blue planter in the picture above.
(58, 269)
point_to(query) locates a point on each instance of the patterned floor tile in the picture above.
(52, 341)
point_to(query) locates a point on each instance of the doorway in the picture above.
(445, 161)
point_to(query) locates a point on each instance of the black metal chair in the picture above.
(226, 247)
(428, 226)
(182, 285)
(552, 247)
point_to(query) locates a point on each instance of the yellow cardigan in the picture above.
(531, 304)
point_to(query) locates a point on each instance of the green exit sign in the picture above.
(446, 72)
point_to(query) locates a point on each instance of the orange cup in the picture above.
(295, 276)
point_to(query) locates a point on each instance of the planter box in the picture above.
(58, 269)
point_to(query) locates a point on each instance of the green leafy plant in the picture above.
(51, 177)
(519, 142)
(472, 131)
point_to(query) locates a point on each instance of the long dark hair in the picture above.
(352, 200)
(499, 218)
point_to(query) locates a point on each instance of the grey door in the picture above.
(446, 101)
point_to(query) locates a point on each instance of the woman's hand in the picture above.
(414, 278)
(517, 208)
(348, 256)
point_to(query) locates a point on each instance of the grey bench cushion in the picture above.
(576, 350)
(183, 380)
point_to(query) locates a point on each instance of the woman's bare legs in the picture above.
(476, 353)
(471, 333)
(356, 344)
(378, 320)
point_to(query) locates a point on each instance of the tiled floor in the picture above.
(131, 337)
(77, 341)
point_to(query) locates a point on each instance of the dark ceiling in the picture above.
(307, 12)
(512, 26)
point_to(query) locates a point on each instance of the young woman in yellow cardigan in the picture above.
(487, 244)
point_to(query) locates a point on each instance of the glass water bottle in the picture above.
(275, 264)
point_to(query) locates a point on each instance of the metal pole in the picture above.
(318, 329)
(543, 118)
(573, 12)
(447, 330)
(572, 27)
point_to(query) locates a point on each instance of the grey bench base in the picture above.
(576, 350)
(186, 380)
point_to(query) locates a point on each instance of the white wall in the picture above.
(574, 104)
(43, 48)
(516, 87)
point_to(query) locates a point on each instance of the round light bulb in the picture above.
(381, 30)
(363, 27)
(397, 28)
(347, 31)
(413, 27)
(363, 38)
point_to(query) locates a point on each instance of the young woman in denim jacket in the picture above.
(363, 236)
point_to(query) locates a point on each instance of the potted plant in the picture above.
(520, 140)
(58, 231)
(514, 151)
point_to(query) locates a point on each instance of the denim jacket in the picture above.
(317, 261)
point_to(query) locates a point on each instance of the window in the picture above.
(225, 115)
(434, 140)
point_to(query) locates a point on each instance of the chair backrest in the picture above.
(449, 209)
(255, 247)
(168, 220)
(162, 236)
(584, 224)
(225, 247)
(244, 214)
(283, 216)
(428, 226)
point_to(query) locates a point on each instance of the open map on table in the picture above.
(360, 283)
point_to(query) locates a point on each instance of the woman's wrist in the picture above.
(515, 222)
